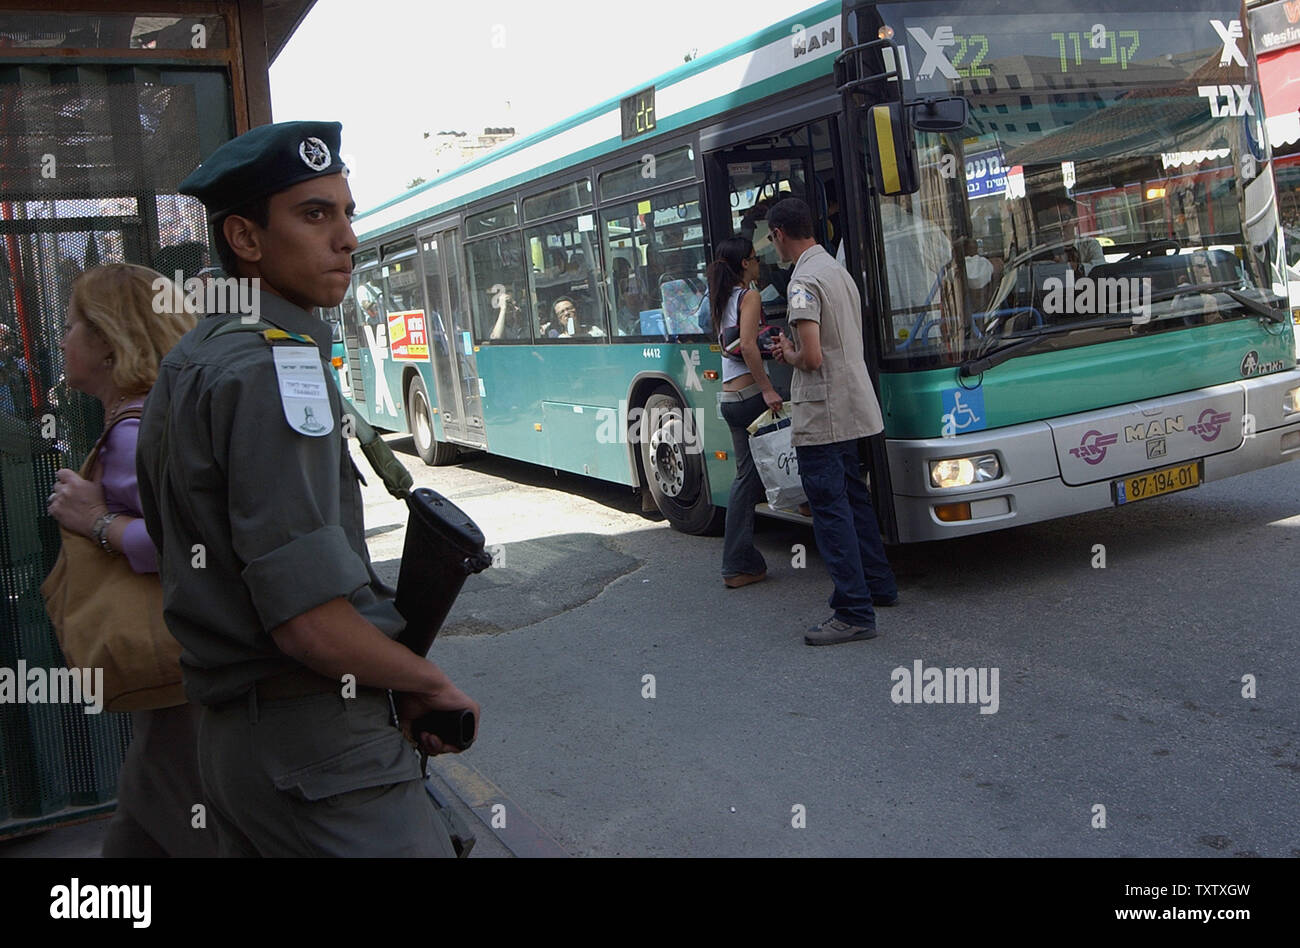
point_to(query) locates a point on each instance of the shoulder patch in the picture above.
(800, 297)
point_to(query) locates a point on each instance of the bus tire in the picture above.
(419, 417)
(675, 475)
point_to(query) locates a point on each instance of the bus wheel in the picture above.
(674, 466)
(420, 419)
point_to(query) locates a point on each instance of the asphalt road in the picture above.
(1118, 687)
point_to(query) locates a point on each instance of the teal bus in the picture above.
(1061, 219)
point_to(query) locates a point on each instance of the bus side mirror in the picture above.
(893, 153)
(947, 114)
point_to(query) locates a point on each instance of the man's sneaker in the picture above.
(885, 601)
(833, 632)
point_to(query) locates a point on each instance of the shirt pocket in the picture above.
(356, 775)
(808, 391)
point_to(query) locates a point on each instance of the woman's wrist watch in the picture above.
(100, 532)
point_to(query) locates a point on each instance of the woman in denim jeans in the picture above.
(747, 391)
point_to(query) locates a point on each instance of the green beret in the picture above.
(263, 161)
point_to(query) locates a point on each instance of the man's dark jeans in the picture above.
(844, 524)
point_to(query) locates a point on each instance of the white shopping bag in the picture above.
(774, 457)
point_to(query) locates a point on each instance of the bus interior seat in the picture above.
(680, 303)
(652, 323)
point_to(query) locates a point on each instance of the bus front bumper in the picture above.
(1031, 486)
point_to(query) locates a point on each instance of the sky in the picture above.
(391, 70)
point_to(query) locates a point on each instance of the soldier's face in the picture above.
(306, 246)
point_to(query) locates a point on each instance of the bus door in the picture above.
(744, 180)
(744, 183)
(451, 345)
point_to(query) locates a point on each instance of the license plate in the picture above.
(1153, 484)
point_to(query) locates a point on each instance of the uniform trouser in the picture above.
(739, 555)
(845, 526)
(321, 775)
(158, 788)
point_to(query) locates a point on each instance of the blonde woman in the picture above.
(113, 341)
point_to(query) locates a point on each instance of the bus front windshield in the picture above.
(1078, 211)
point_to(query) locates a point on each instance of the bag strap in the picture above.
(721, 343)
(396, 478)
(135, 411)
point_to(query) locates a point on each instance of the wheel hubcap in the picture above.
(669, 460)
(423, 426)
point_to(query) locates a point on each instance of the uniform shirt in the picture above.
(836, 402)
(278, 513)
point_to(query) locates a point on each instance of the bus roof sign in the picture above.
(638, 113)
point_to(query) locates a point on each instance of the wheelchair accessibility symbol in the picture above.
(963, 410)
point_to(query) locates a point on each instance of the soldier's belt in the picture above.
(298, 683)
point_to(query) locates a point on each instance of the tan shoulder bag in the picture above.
(106, 615)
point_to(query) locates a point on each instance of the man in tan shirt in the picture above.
(833, 406)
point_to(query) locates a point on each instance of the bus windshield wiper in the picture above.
(1258, 307)
(1228, 287)
(1184, 288)
(1022, 347)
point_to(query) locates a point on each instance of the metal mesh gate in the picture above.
(90, 157)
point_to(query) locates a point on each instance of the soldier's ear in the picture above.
(244, 237)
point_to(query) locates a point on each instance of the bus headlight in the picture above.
(962, 472)
(1291, 401)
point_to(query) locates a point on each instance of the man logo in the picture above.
(1292, 11)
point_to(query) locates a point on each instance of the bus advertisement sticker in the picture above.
(963, 410)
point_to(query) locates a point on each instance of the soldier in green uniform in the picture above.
(251, 497)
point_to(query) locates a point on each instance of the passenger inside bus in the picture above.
(562, 321)
(773, 280)
(629, 298)
(511, 323)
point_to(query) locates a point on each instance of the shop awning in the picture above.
(1279, 79)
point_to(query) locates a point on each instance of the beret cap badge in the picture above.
(314, 153)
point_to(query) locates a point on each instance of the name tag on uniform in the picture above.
(303, 394)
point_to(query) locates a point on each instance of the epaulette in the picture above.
(279, 335)
(270, 333)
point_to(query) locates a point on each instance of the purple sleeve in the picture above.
(122, 495)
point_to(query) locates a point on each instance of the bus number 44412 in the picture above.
(652, 352)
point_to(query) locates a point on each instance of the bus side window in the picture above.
(655, 248)
(501, 311)
(569, 302)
